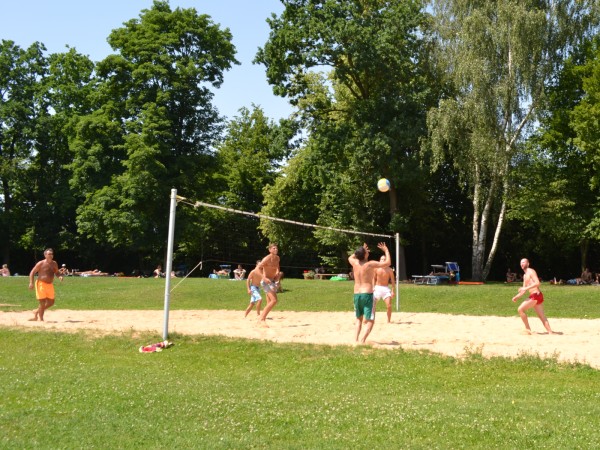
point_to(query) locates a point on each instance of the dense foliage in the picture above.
(482, 115)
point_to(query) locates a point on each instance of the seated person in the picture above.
(586, 277)
(158, 273)
(239, 273)
(510, 276)
(5, 271)
(63, 271)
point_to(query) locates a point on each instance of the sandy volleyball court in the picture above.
(440, 333)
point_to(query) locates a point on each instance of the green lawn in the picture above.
(299, 295)
(61, 390)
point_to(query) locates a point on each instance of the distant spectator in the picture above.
(158, 273)
(239, 273)
(63, 270)
(586, 276)
(510, 276)
(5, 271)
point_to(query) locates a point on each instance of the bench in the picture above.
(322, 276)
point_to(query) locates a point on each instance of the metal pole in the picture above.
(397, 236)
(169, 267)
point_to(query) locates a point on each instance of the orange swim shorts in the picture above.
(44, 290)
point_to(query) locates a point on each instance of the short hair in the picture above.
(360, 253)
(272, 244)
(48, 250)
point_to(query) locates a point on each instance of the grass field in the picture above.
(61, 390)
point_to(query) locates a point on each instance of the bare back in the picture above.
(364, 270)
(384, 276)
(363, 276)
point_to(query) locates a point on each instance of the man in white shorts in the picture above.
(384, 276)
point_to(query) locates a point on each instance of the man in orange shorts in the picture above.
(531, 283)
(44, 287)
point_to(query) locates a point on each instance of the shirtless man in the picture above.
(384, 276)
(364, 271)
(253, 285)
(44, 289)
(531, 283)
(268, 270)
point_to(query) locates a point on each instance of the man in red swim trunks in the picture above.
(531, 283)
(44, 289)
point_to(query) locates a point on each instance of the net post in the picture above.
(169, 265)
(397, 238)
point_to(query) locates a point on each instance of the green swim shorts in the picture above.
(363, 306)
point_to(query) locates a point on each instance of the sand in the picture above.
(445, 334)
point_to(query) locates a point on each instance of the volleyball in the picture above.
(383, 185)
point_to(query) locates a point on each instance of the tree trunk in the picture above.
(584, 246)
(494, 248)
(479, 239)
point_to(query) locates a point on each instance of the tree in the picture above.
(21, 116)
(557, 191)
(366, 113)
(152, 126)
(249, 159)
(499, 57)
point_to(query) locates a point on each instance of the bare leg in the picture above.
(368, 329)
(36, 312)
(357, 328)
(258, 303)
(388, 305)
(539, 309)
(522, 312)
(271, 302)
(248, 309)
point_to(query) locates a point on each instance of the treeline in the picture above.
(483, 116)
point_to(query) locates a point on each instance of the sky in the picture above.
(85, 25)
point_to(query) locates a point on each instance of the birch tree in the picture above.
(498, 56)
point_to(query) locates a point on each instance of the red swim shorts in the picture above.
(538, 297)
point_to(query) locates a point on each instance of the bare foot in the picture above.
(33, 319)
(262, 324)
(528, 332)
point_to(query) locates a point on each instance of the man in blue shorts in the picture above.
(253, 285)
(364, 271)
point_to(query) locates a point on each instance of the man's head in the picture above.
(361, 253)
(524, 263)
(273, 248)
(49, 253)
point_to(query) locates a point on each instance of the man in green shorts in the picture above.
(364, 271)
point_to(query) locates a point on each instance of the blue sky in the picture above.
(85, 25)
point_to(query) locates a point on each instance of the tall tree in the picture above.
(153, 126)
(20, 72)
(249, 159)
(356, 71)
(557, 189)
(499, 56)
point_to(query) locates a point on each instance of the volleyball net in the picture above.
(239, 238)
